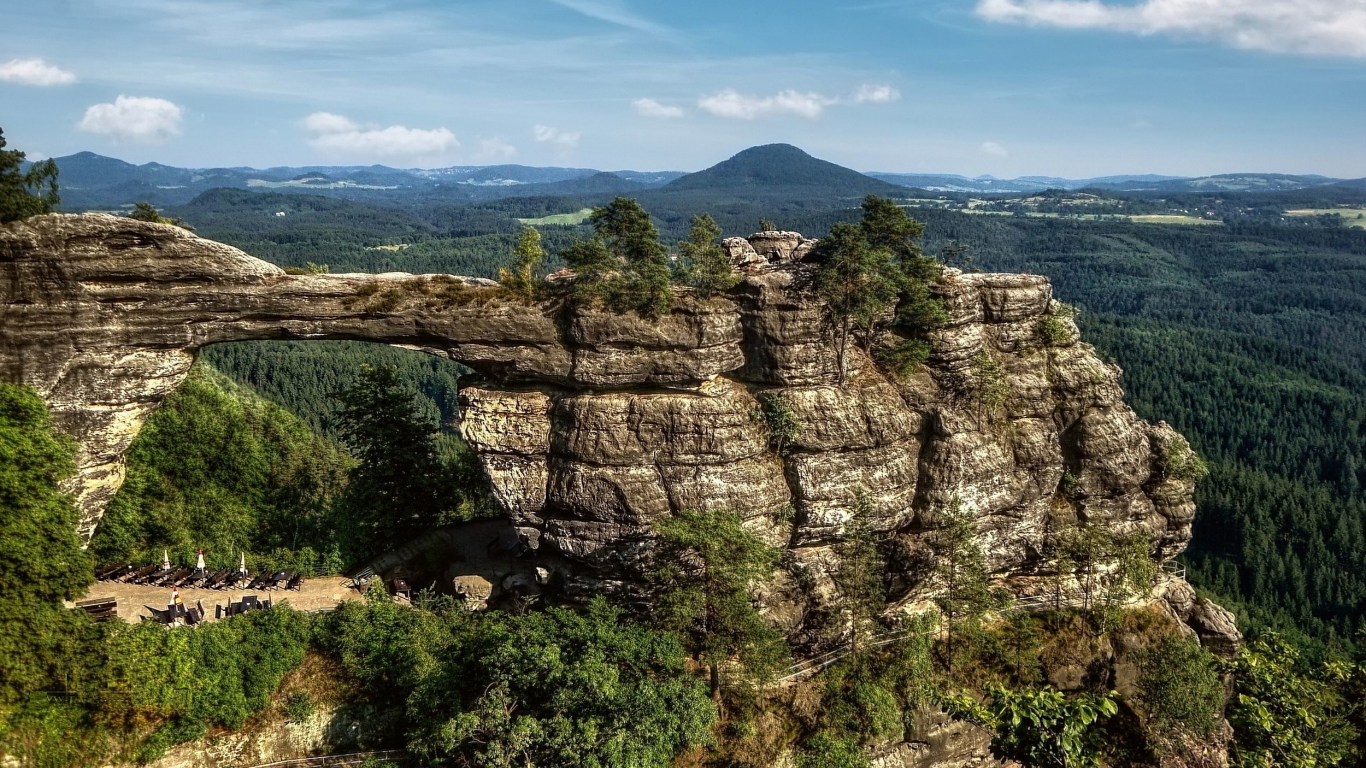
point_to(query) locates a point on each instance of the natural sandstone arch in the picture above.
(591, 425)
(103, 315)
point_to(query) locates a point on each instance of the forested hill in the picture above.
(781, 166)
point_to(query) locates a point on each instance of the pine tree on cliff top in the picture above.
(623, 265)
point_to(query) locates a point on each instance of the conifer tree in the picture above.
(25, 193)
(859, 575)
(704, 568)
(520, 279)
(705, 263)
(961, 570)
(394, 491)
(623, 264)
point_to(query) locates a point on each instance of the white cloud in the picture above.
(495, 149)
(612, 12)
(652, 108)
(340, 136)
(34, 72)
(1320, 27)
(547, 135)
(139, 119)
(993, 149)
(326, 122)
(730, 103)
(869, 93)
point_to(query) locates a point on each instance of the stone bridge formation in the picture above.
(591, 425)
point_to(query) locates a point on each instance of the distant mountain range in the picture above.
(1228, 182)
(94, 181)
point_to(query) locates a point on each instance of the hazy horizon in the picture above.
(300, 165)
(1009, 88)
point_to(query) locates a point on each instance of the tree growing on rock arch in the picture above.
(623, 265)
(866, 267)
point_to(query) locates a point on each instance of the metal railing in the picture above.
(336, 761)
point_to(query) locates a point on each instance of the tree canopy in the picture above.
(25, 193)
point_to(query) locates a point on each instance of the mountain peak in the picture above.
(781, 166)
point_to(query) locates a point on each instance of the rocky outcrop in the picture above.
(591, 426)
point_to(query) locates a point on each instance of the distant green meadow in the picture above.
(560, 219)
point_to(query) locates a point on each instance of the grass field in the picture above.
(1148, 218)
(1352, 217)
(560, 219)
(1170, 218)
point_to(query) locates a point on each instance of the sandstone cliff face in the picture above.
(591, 426)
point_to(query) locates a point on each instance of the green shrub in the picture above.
(783, 425)
(1286, 715)
(1053, 329)
(1180, 686)
(1040, 728)
(905, 357)
(1180, 461)
(218, 673)
(171, 733)
(559, 687)
(824, 751)
(298, 707)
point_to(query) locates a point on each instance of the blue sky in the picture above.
(1005, 87)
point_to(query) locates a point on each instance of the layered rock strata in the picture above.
(592, 426)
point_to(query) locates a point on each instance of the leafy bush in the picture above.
(1180, 461)
(783, 425)
(219, 673)
(1283, 715)
(827, 752)
(560, 688)
(298, 707)
(1053, 329)
(1180, 686)
(1040, 728)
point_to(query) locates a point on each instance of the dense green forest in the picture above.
(220, 468)
(303, 376)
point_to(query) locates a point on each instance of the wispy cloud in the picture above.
(733, 104)
(993, 149)
(545, 134)
(495, 149)
(810, 105)
(868, 93)
(613, 12)
(34, 72)
(1316, 27)
(652, 108)
(339, 136)
(136, 119)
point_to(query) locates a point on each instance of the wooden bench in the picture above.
(99, 608)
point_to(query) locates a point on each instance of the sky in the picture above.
(1075, 88)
